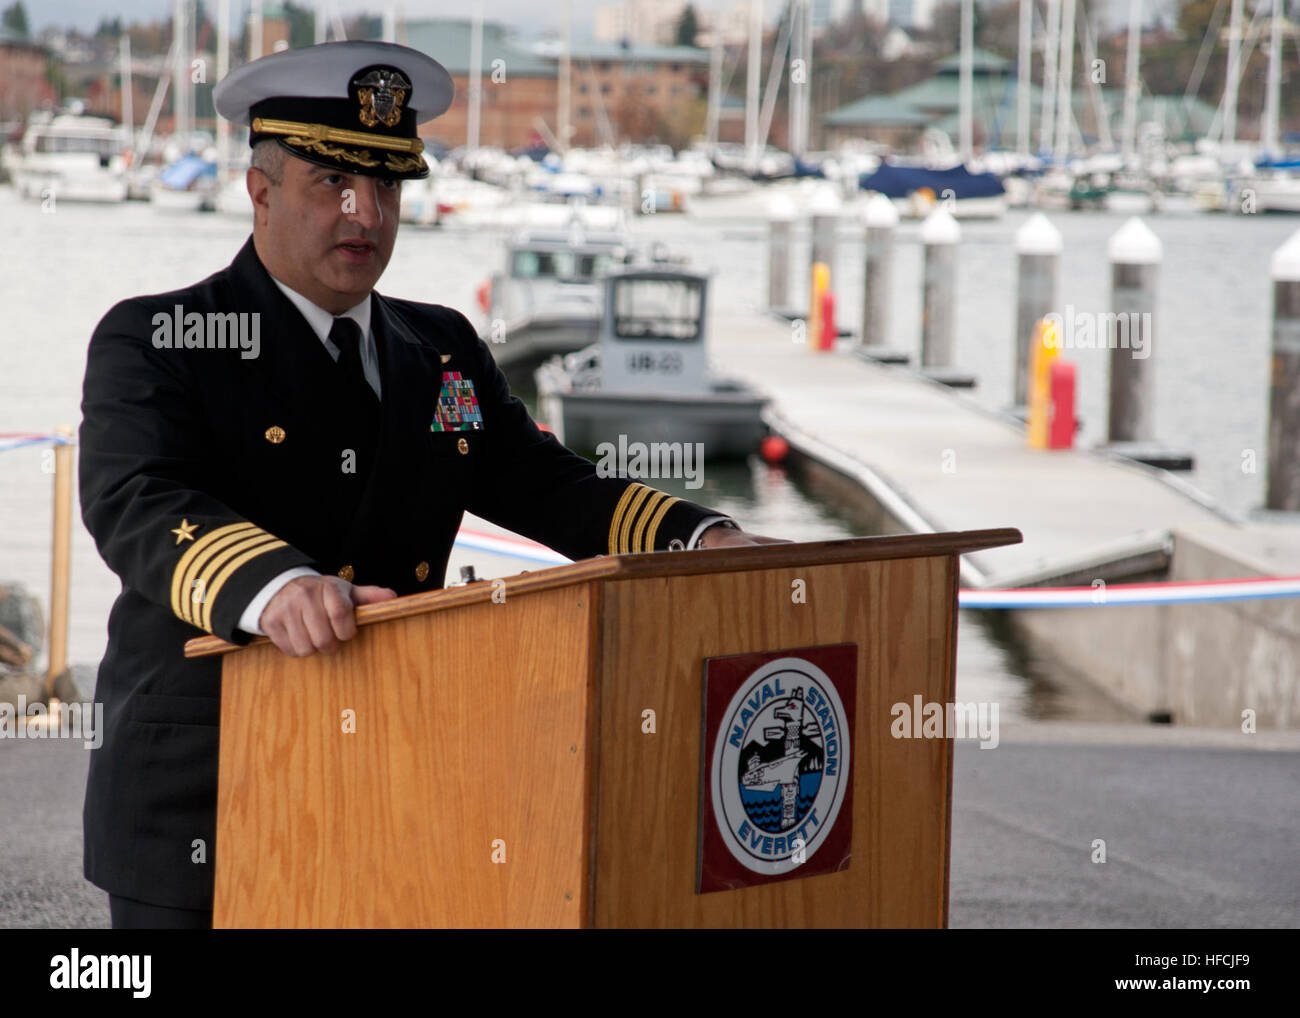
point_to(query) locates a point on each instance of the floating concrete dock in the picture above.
(918, 456)
(936, 460)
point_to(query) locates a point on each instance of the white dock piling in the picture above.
(881, 220)
(940, 235)
(825, 218)
(780, 214)
(1038, 255)
(1284, 401)
(1135, 255)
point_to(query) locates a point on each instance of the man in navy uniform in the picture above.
(269, 488)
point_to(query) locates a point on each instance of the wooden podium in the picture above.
(535, 751)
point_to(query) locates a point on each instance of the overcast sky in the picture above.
(529, 14)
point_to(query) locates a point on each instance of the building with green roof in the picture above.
(586, 49)
(900, 118)
(448, 41)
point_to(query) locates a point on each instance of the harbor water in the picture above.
(65, 267)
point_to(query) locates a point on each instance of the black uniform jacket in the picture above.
(205, 474)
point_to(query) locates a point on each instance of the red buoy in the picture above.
(826, 341)
(774, 449)
(1060, 429)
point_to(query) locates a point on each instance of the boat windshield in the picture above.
(657, 308)
(577, 266)
(100, 146)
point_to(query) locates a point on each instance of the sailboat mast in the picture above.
(1024, 56)
(255, 30)
(805, 91)
(128, 93)
(1100, 112)
(1273, 95)
(563, 130)
(774, 81)
(1051, 56)
(1230, 86)
(965, 128)
(1133, 55)
(798, 83)
(475, 78)
(180, 72)
(715, 86)
(752, 83)
(1064, 81)
(223, 67)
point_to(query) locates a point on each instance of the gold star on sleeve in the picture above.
(185, 532)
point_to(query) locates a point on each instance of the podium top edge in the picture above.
(667, 564)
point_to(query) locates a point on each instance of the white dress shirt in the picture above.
(321, 321)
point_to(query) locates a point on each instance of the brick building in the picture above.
(275, 30)
(638, 93)
(23, 83)
(617, 93)
(519, 86)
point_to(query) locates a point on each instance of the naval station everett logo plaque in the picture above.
(776, 796)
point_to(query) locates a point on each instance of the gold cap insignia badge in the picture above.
(381, 94)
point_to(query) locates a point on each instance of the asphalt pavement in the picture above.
(1200, 829)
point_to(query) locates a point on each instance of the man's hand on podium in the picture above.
(722, 536)
(315, 613)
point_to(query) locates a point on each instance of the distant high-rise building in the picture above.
(829, 12)
(876, 10)
(911, 13)
(730, 23)
(641, 22)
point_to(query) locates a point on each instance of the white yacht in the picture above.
(72, 157)
(548, 299)
(648, 379)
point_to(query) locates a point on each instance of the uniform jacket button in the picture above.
(346, 573)
(462, 445)
(422, 571)
(275, 434)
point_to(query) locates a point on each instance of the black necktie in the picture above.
(346, 335)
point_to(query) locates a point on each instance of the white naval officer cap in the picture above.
(351, 106)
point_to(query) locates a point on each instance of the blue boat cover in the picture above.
(899, 181)
(185, 171)
(1278, 163)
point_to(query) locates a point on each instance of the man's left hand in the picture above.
(720, 536)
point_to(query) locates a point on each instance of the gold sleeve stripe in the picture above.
(198, 578)
(647, 511)
(192, 554)
(232, 567)
(619, 509)
(202, 592)
(645, 498)
(654, 523)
